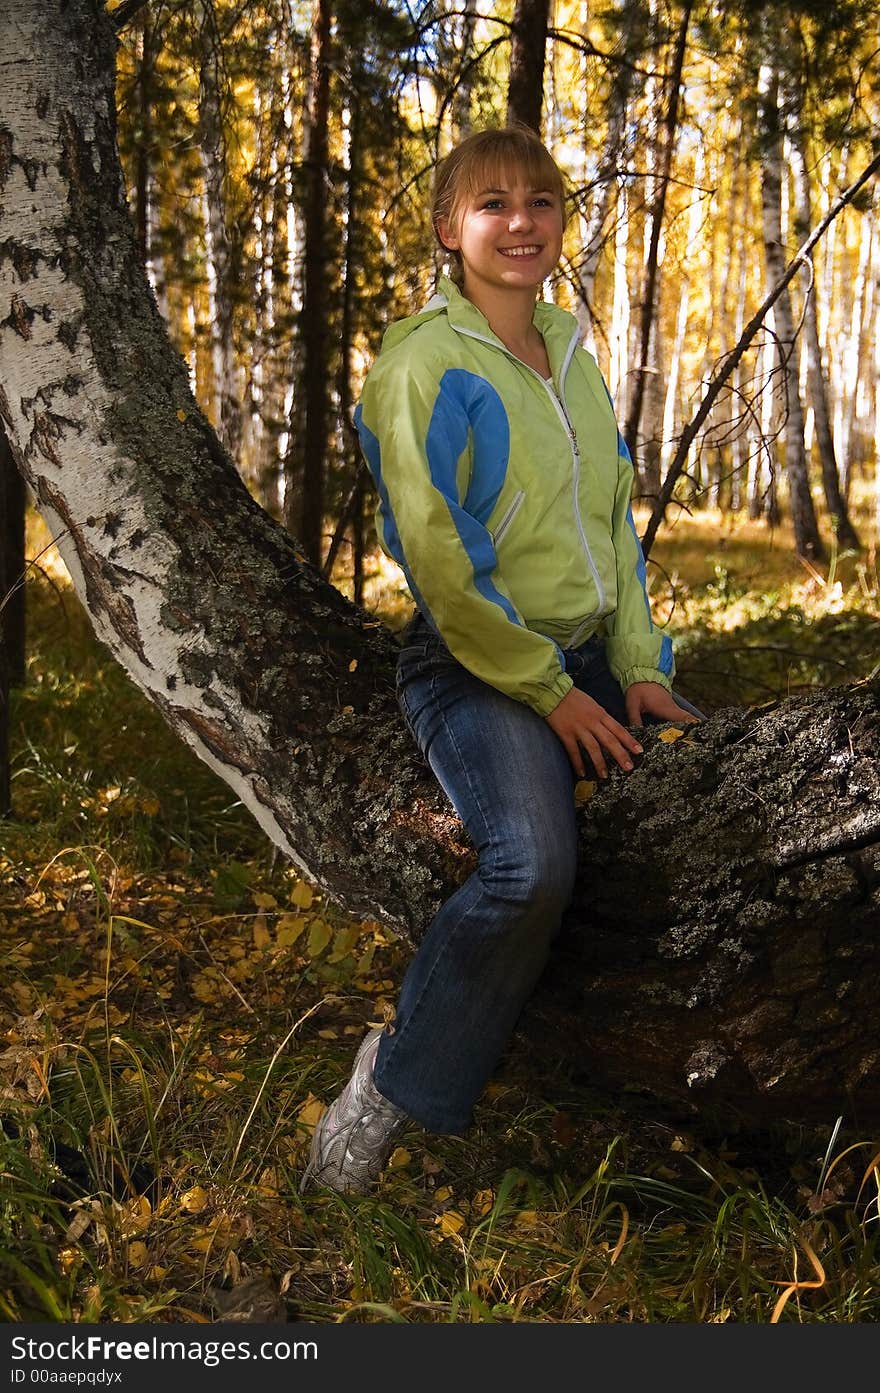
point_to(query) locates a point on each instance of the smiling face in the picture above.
(498, 204)
(508, 235)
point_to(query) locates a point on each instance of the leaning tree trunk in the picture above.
(722, 940)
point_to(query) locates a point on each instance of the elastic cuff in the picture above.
(645, 674)
(552, 696)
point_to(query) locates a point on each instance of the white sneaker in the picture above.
(353, 1140)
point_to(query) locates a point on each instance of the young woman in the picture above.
(504, 494)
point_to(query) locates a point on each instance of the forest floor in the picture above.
(177, 1007)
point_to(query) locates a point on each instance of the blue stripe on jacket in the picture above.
(465, 403)
(373, 455)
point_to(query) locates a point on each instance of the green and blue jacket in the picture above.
(506, 499)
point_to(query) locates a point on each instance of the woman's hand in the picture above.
(652, 699)
(579, 721)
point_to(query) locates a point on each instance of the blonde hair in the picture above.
(481, 161)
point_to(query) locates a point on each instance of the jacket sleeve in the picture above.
(636, 650)
(414, 424)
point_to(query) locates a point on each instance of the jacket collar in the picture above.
(556, 326)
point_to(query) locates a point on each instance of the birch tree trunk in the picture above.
(806, 531)
(626, 83)
(658, 205)
(835, 502)
(224, 265)
(721, 944)
(145, 193)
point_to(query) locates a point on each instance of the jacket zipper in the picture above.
(562, 413)
(508, 516)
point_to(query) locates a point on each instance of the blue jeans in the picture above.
(509, 779)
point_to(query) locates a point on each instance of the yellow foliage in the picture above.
(584, 790)
(450, 1223)
(194, 1200)
(320, 935)
(302, 895)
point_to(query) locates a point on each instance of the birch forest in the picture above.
(279, 158)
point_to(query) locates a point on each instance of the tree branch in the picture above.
(125, 13)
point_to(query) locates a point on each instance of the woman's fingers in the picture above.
(583, 725)
(576, 759)
(593, 749)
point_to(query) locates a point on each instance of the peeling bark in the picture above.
(722, 934)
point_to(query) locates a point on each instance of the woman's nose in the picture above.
(520, 218)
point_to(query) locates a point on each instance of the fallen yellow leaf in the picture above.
(584, 790)
(667, 736)
(194, 1201)
(449, 1223)
(302, 895)
(288, 929)
(320, 935)
(311, 1112)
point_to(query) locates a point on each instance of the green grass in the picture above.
(177, 1005)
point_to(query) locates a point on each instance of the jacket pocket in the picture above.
(511, 513)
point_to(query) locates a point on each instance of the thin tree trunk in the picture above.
(350, 448)
(145, 194)
(224, 263)
(13, 504)
(625, 86)
(661, 184)
(311, 396)
(461, 101)
(5, 769)
(739, 421)
(12, 608)
(855, 356)
(620, 313)
(803, 515)
(837, 509)
(528, 36)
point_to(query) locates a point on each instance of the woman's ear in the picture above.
(446, 235)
